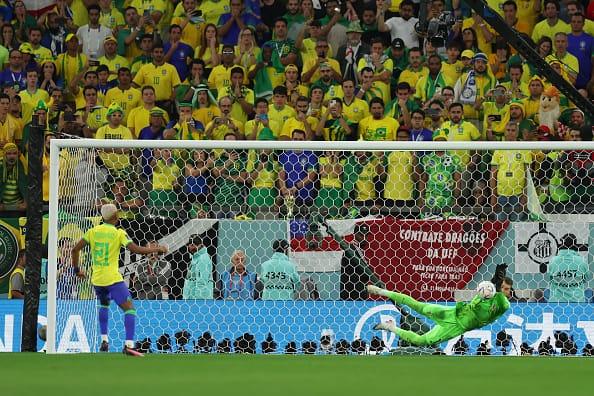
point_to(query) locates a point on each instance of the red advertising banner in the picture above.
(430, 259)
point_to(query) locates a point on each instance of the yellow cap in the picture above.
(467, 54)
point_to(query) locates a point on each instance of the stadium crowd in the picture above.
(300, 70)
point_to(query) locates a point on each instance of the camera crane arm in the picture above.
(525, 49)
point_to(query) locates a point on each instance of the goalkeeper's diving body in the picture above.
(451, 321)
(105, 241)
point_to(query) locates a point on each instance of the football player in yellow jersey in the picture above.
(125, 95)
(377, 126)
(111, 59)
(354, 109)
(32, 95)
(161, 75)
(105, 242)
(278, 110)
(71, 63)
(92, 116)
(138, 117)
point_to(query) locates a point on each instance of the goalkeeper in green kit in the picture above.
(451, 321)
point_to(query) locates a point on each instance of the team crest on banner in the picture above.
(537, 243)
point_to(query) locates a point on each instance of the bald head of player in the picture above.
(109, 213)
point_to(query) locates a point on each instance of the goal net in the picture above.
(272, 244)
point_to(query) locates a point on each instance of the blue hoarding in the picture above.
(285, 320)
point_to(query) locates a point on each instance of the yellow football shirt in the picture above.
(383, 87)
(165, 175)
(465, 131)
(206, 114)
(451, 72)
(220, 77)
(372, 129)
(237, 112)
(356, 110)
(543, 28)
(105, 241)
(127, 100)
(114, 160)
(212, 11)
(42, 54)
(114, 65)
(293, 123)
(11, 129)
(139, 118)
(29, 102)
(163, 78)
(399, 182)
(511, 171)
(365, 185)
(412, 76)
(280, 116)
(308, 52)
(483, 45)
(192, 32)
(272, 125)
(112, 18)
(69, 66)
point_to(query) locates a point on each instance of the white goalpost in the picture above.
(429, 219)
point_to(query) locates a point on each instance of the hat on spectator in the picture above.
(398, 43)
(536, 78)
(10, 147)
(185, 104)
(439, 134)
(467, 54)
(266, 134)
(543, 132)
(70, 36)
(109, 38)
(519, 104)
(114, 108)
(108, 211)
(325, 65)
(26, 48)
(156, 113)
(41, 105)
(480, 56)
(354, 27)
(291, 67)
(315, 22)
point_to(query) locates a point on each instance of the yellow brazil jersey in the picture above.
(272, 125)
(114, 65)
(139, 117)
(127, 99)
(113, 160)
(69, 66)
(42, 54)
(335, 91)
(519, 92)
(280, 116)
(483, 45)
(212, 10)
(237, 112)
(206, 114)
(330, 180)
(11, 129)
(383, 87)
(356, 110)
(526, 13)
(464, 131)
(267, 176)
(451, 72)
(184, 132)
(206, 56)
(531, 106)
(80, 16)
(192, 32)
(163, 78)
(308, 52)
(105, 241)
(30, 100)
(112, 18)
(80, 102)
(511, 171)
(570, 63)
(400, 170)
(543, 28)
(383, 129)
(151, 6)
(293, 123)
(276, 78)
(219, 132)
(97, 117)
(220, 77)
(413, 76)
(365, 184)
(491, 109)
(165, 175)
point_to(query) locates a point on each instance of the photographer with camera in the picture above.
(312, 68)
(221, 126)
(261, 122)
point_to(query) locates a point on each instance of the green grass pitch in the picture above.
(221, 375)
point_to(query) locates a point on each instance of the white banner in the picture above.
(537, 243)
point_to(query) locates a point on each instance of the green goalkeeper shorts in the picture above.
(446, 326)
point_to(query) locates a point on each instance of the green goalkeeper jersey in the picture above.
(480, 312)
